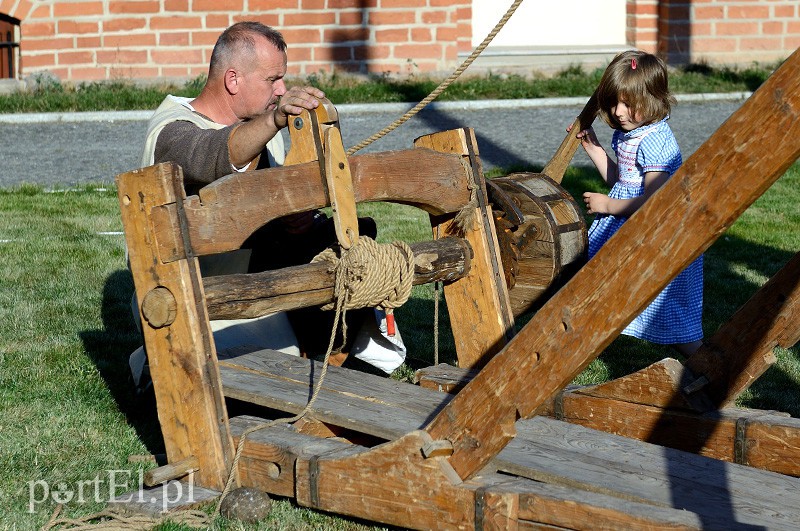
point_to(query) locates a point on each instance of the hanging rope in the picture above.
(442, 86)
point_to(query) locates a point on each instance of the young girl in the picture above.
(634, 99)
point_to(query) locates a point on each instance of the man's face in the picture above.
(262, 82)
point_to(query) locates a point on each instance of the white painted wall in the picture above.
(551, 23)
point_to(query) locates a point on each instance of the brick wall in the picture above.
(715, 31)
(82, 40)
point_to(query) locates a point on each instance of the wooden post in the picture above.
(180, 349)
(478, 304)
(741, 350)
(729, 171)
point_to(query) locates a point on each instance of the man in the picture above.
(234, 125)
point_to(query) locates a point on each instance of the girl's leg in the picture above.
(687, 349)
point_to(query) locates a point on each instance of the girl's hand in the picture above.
(587, 137)
(596, 203)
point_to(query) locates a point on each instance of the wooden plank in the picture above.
(395, 176)
(257, 294)
(760, 439)
(660, 384)
(269, 455)
(712, 188)
(181, 355)
(730, 492)
(557, 166)
(741, 350)
(478, 304)
(340, 189)
(365, 403)
(392, 483)
(542, 504)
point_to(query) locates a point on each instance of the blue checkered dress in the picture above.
(675, 316)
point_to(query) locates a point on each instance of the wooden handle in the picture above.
(340, 189)
(171, 471)
(558, 164)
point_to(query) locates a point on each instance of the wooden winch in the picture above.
(516, 447)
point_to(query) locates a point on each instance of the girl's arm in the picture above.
(602, 204)
(604, 164)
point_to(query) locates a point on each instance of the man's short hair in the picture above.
(239, 41)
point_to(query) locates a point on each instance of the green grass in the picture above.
(46, 94)
(68, 410)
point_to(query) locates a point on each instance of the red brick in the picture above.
(88, 42)
(142, 72)
(701, 29)
(345, 35)
(79, 9)
(736, 28)
(272, 5)
(205, 38)
(347, 18)
(174, 71)
(773, 27)
(713, 45)
(365, 53)
(447, 34)
(87, 73)
(35, 61)
(350, 4)
(173, 39)
(126, 57)
(129, 41)
(301, 36)
(40, 12)
(176, 57)
(714, 12)
(172, 23)
(307, 5)
(785, 11)
(123, 24)
(298, 53)
(64, 43)
(181, 6)
(133, 6)
(218, 21)
(22, 11)
(236, 6)
(760, 43)
(751, 12)
(422, 35)
(71, 26)
(391, 17)
(434, 17)
(37, 29)
(333, 53)
(75, 58)
(319, 18)
(391, 35)
(412, 51)
(793, 26)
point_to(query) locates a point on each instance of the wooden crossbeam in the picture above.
(742, 349)
(712, 188)
(268, 194)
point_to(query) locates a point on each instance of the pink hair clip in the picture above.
(633, 64)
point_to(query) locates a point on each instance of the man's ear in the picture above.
(232, 81)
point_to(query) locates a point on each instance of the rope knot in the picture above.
(370, 274)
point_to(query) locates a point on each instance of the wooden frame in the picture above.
(471, 460)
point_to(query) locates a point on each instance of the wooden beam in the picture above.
(704, 197)
(256, 294)
(182, 358)
(478, 304)
(742, 349)
(432, 181)
(558, 165)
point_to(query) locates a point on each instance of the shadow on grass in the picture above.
(110, 349)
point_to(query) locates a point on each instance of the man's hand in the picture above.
(294, 102)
